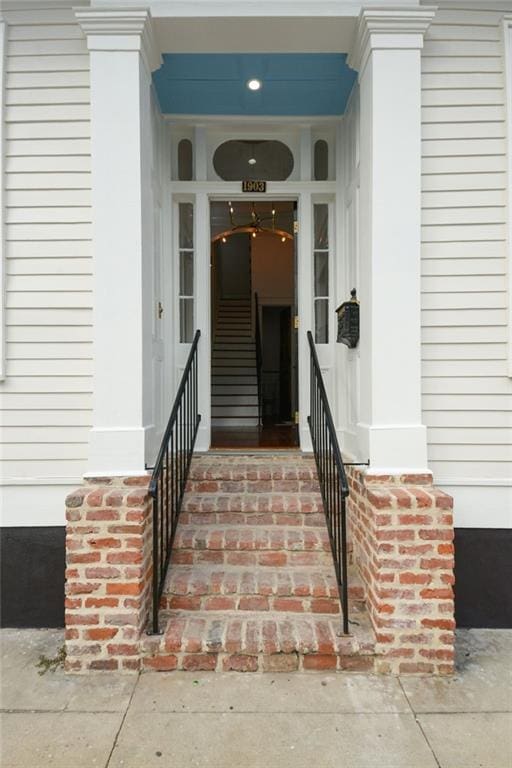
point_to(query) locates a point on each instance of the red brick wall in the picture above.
(402, 533)
(108, 573)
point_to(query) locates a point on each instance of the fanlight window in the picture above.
(265, 160)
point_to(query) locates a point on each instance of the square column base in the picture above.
(108, 573)
(394, 449)
(402, 533)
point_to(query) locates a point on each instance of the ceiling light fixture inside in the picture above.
(254, 84)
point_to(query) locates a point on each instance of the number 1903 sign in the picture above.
(254, 186)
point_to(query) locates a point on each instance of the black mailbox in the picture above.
(348, 321)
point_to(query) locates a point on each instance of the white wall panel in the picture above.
(467, 394)
(46, 396)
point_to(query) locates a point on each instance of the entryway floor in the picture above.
(268, 436)
(228, 720)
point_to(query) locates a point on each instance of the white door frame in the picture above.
(305, 194)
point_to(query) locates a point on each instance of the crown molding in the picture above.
(123, 29)
(393, 28)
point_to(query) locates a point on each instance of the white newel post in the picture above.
(122, 57)
(386, 53)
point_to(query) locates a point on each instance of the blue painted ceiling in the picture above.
(292, 84)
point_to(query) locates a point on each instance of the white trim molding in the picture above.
(388, 29)
(122, 56)
(3, 270)
(507, 45)
(112, 29)
(387, 53)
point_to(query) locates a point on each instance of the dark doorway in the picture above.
(277, 364)
(253, 301)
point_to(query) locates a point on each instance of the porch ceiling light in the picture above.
(254, 84)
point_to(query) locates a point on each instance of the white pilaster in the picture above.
(122, 56)
(387, 54)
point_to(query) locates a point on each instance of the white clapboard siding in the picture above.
(464, 267)
(59, 367)
(464, 300)
(38, 267)
(48, 147)
(465, 198)
(15, 96)
(55, 215)
(47, 164)
(45, 434)
(463, 334)
(455, 419)
(54, 452)
(44, 418)
(50, 351)
(46, 395)
(78, 62)
(44, 130)
(48, 401)
(463, 352)
(463, 131)
(473, 283)
(43, 334)
(485, 473)
(467, 394)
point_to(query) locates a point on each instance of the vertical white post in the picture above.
(122, 56)
(305, 309)
(202, 314)
(387, 55)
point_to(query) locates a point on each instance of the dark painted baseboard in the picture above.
(483, 577)
(33, 564)
(32, 576)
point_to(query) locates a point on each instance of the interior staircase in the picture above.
(251, 583)
(234, 375)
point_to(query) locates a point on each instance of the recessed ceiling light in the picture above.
(252, 161)
(254, 84)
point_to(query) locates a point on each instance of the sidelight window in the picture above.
(321, 272)
(186, 271)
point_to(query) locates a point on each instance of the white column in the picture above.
(122, 56)
(387, 54)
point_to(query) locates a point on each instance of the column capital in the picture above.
(388, 29)
(120, 29)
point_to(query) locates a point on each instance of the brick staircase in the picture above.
(251, 584)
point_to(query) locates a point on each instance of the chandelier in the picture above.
(254, 224)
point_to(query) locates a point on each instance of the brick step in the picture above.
(215, 469)
(233, 581)
(275, 603)
(270, 642)
(274, 485)
(303, 503)
(278, 538)
(271, 558)
(313, 520)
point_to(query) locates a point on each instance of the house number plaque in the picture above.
(254, 186)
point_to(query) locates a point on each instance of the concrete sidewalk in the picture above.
(256, 720)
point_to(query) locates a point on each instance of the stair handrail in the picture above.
(170, 474)
(259, 356)
(331, 475)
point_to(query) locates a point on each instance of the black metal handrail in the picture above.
(170, 474)
(331, 475)
(259, 356)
